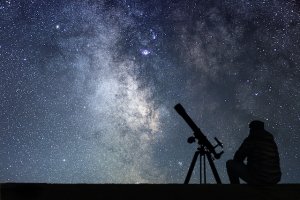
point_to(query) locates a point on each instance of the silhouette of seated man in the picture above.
(257, 159)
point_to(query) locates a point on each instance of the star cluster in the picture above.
(87, 88)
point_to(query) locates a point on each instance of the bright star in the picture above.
(180, 164)
(145, 52)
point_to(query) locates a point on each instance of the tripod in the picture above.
(203, 152)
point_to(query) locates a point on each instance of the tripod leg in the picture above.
(204, 170)
(213, 168)
(201, 162)
(189, 174)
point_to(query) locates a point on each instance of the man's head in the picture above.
(256, 125)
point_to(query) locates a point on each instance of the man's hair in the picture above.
(256, 124)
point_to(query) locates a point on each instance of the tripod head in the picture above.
(201, 138)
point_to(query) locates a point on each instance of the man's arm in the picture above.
(242, 152)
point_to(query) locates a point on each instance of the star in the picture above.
(145, 52)
(180, 163)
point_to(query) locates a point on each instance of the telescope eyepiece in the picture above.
(218, 142)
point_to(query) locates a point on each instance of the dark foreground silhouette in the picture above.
(261, 153)
(149, 191)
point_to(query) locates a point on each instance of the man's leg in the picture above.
(236, 170)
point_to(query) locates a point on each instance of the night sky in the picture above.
(88, 88)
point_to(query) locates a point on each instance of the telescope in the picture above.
(205, 147)
(202, 140)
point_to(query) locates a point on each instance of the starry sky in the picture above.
(88, 88)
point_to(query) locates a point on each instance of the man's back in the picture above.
(262, 156)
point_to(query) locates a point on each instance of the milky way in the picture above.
(88, 88)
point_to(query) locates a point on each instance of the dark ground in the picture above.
(14, 191)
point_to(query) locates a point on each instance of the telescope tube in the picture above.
(202, 140)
